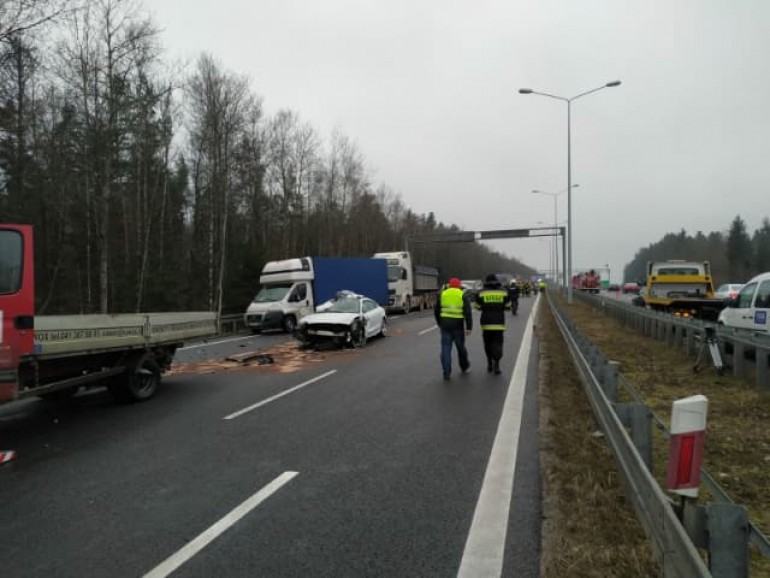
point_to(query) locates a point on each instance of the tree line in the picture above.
(735, 255)
(154, 187)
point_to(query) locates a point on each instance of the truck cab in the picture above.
(285, 296)
(17, 304)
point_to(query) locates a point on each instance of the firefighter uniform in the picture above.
(493, 301)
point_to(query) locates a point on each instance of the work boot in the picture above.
(497, 367)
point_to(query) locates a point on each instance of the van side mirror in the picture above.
(732, 303)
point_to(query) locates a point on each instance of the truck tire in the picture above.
(290, 324)
(139, 383)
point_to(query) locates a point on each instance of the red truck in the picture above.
(589, 281)
(53, 356)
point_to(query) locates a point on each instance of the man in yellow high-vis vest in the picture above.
(454, 318)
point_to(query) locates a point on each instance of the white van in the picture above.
(751, 309)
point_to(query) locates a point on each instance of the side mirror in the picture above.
(732, 303)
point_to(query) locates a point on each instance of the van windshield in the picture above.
(270, 293)
(10, 262)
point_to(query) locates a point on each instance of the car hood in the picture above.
(341, 318)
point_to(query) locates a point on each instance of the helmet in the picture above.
(455, 282)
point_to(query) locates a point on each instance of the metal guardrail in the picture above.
(671, 545)
(231, 323)
(684, 332)
(738, 346)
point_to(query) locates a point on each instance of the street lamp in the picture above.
(612, 84)
(555, 246)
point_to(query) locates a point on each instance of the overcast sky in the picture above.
(429, 92)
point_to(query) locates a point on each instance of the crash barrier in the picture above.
(744, 352)
(721, 528)
(232, 323)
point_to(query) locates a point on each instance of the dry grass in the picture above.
(589, 526)
(737, 449)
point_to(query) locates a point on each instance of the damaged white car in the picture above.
(350, 321)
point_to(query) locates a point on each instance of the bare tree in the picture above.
(19, 16)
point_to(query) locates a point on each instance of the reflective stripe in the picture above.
(493, 327)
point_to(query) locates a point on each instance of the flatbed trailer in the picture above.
(53, 356)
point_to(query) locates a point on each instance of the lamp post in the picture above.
(569, 165)
(555, 246)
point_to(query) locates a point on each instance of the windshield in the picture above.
(10, 261)
(680, 271)
(395, 273)
(345, 306)
(270, 293)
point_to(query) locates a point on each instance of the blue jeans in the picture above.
(448, 337)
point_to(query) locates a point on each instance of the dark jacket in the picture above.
(493, 300)
(454, 323)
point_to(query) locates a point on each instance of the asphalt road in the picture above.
(359, 463)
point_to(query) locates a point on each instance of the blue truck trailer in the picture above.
(293, 288)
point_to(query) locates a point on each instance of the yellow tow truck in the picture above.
(682, 288)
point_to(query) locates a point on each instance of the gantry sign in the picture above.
(471, 236)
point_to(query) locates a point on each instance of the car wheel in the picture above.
(289, 324)
(384, 327)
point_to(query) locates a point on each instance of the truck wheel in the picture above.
(289, 324)
(138, 383)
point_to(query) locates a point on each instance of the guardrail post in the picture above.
(638, 418)
(762, 360)
(728, 530)
(739, 359)
(610, 380)
(689, 340)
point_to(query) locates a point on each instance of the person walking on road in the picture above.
(454, 318)
(493, 301)
(513, 296)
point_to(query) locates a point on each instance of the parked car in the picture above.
(350, 321)
(638, 299)
(751, 308)
(728, 291)
(472, 287)
(613, 287)
(631, 287)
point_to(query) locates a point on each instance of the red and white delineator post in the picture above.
(688, 434)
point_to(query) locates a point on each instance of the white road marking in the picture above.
(428, 330)
(174, 561)
(485, 547)
(214, 342)
(240, 412)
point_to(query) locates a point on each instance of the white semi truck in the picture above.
(410, 286)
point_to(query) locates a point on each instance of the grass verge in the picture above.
(589, 527)
(737, 451)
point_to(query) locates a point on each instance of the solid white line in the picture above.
(214, 342)
(428, 330)
(485, 547)
(174, 561)
(240, 412)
